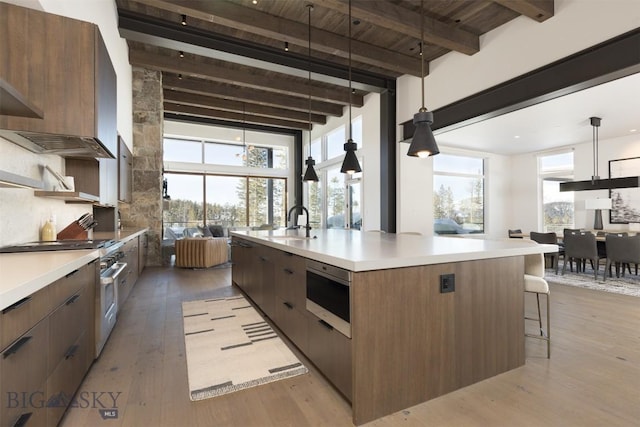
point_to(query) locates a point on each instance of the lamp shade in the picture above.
(423, 143)
(310, 175)
(604, 203)
(350, 165)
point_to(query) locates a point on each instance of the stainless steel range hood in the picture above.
(62, 145)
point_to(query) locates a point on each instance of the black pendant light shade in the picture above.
(350, 165)
(423, 143)
(310, 175)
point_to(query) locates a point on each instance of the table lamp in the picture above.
(597, 205)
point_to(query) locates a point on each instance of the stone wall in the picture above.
(145, 210)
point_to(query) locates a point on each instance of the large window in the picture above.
(232, 181)
(557, 207)
(458, 194)
(335, 201)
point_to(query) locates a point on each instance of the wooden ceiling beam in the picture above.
(197, 100)
(188, 110)
(538, 10)
(399, 19)
(219, 71)
(252, 21)
(256, 96)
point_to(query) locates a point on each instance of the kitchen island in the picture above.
(412, 338)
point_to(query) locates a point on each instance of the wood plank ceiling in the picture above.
(229, 61)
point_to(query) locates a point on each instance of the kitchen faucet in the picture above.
(307, 227)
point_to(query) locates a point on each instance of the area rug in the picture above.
(230, 347)
(628, 285)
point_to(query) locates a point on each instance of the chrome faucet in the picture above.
(307, 227)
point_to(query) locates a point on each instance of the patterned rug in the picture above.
(627, 285)
(230, 347)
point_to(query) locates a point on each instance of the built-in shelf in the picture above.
(69, 196)
(11, 180)
(12, 103)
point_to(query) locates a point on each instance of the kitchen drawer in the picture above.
(330, 351)
(67, 376)
(72, 319)
(65, 287)
(293, 323)
(125, 284)
(291, 286)
(16, 319)
(23, 366)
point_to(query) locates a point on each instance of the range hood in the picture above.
(62, 145)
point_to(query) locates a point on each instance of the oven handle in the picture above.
(113, 277)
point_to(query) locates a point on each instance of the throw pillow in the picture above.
(216, 230)
(205, 231)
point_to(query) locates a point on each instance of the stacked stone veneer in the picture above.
(145, 209)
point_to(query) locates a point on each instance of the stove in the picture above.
(58, 245)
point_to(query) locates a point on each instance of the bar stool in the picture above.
(534, 282)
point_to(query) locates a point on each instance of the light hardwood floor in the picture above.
(592, 378)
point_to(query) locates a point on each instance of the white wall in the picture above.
(514, 48)
(524, 212)
(21, 213)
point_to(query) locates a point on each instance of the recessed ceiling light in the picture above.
(255, 2)
(516, 136)
(633, 130)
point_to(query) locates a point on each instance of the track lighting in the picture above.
(181, 54)
(286, 46)
(184, 20)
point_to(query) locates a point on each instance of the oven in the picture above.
(329, 295)
(111, 267)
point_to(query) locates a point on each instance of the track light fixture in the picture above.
(286, 46)
(423, 143)
(310, 175)
(181, 54)
(350, 165)
(184, 20)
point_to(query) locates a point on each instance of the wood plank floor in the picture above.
(592, 379)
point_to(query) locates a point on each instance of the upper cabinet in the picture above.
(125, 170)
(62, 82)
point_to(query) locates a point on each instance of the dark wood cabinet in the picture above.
(129, 275)
(62, 67)
(267, 257)
(290, 287)
(125, 170)
(53, 351)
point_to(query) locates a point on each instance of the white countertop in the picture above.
(24, 273)
(362, 251)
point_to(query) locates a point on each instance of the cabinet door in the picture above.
(24, 374)
(267, 256)
(291, 280)
(22, 43)
(143, 250)
(293, 323)
(330, 351)
(16, 319)
(125, 168)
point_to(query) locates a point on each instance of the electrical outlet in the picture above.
(447, 283)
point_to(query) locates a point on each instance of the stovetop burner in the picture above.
(58, 245)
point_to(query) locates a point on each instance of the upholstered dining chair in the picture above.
(621, 250)
(548, 238)
(581, 246)
(535, 283)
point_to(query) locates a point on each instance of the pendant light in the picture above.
(350, 165)
(423, 143)
(310, 175)
(595, 183)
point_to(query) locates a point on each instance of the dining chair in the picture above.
(515, 234)
(548, 238)
(581, 246)
(535, 283)
(621, 250)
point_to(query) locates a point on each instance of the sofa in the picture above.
(201, 252)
